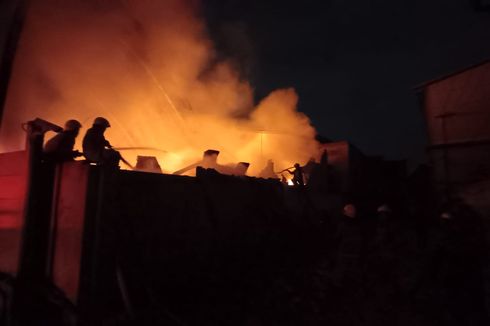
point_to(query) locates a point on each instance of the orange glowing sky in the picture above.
(150, 68)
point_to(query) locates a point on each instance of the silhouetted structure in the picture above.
(11, 25)
(457, 114)
(352, 172)
(147, 164)
(268, 171)
(241, 168)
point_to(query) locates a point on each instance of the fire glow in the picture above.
(150, 68)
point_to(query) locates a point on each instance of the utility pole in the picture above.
(262, 146)
(15, 12)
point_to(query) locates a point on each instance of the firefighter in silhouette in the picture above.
(96, 148)
(297, 175)
(60, 147)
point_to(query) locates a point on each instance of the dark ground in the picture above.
(435, 274)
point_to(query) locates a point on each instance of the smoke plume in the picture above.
(150, 68)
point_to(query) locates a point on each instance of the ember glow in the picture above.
(151, 69)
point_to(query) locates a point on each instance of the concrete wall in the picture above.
(465, 97)
(164, 233)
(68, 224)
(13, 184)
(457, 111)
(340, 161)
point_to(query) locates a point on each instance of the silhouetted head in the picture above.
(101, 122)
(350, 211)
(73, 126)
(296, 165)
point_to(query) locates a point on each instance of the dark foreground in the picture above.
(404, 275)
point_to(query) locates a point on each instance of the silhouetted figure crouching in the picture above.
(60, 147)
(96, 148)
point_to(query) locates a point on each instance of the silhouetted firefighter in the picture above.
(60, 147)
(96, 148)
(297, 175)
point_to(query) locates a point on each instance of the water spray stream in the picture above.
(160, 87)
(142, 148)
(151, 69)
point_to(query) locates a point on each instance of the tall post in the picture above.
(17, 10)
(37, 210)
(33, 260)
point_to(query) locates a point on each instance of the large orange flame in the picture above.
(150, 68)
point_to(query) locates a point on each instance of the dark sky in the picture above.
(354, 63)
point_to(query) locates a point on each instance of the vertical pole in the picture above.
(33, 258)
(37, 211)
(261, 146)
(53, 226)
(8, 55)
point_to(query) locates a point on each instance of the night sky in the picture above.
(354, 63)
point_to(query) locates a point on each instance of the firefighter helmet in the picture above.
(72, 125)
(103, 122)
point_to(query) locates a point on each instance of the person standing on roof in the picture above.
(297, 175)
(96, 148)
(60, 147)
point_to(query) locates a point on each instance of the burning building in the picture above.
(151, 69)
